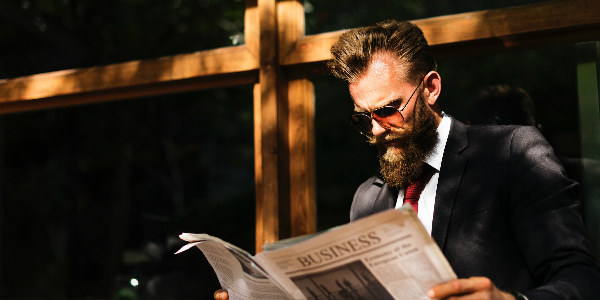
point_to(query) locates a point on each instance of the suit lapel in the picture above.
(386, 198)
(451, 173)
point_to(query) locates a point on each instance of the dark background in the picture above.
(92, 196)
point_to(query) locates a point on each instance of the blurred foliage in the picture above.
(62, 34)
(99, 192)
(85, 186)
(94, 195)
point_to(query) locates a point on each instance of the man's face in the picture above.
(382, 84)
(401, 150)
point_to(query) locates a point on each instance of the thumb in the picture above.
(221, 295)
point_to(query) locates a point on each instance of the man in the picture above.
(494, 198)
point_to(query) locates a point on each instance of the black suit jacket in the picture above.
(505, 210)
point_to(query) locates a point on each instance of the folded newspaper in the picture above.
(388, 255)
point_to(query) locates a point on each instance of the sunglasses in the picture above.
(387, 117)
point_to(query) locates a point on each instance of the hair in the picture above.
(354, 49)
(502, 105)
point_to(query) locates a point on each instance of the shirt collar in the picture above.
(435, 158)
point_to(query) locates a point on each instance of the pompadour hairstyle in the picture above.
(354, 49)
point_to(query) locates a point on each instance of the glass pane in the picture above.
(50, 35)
(548, 75)
(325, 16)
(565, 97)
(589, 119)
(561, 82)
(344, 159)
(93, 196)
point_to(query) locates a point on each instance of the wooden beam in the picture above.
(135, 76)
(303, 195)
(526, 26)
(290, 24)
(252, 41)
(258, 172)
(251, 28)
(511, 21)
(286, 200)
(300, 135)
(518, 42)
(312, 49)
(267, 206)
(130, 92)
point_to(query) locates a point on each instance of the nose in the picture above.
(377, 130)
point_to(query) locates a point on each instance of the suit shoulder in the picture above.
(373, 180)
(496, 130)
(487, 134)
(371, 185)
(362, 203)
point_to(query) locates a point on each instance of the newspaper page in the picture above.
(235, 269)
(388, 255)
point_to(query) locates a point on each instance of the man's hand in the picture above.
(221, 295)
(472, 288)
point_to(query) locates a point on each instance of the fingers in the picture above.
(221, 295)
(460, 287)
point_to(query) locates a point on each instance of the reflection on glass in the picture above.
(93, 198)
(589, 113)
(44, 36)
(554, 89)
(332, 15)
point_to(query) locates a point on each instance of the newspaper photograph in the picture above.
(386, 256)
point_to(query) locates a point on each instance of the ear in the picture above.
(433, 87)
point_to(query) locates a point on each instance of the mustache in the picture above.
(390, 136)
(418, 140)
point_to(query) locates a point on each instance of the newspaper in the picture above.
(388, 255)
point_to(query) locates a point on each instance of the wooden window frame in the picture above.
(278, 59)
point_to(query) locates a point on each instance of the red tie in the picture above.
(413, 191)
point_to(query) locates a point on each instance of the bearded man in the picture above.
(494, 198)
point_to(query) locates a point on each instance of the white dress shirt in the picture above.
(427, 199)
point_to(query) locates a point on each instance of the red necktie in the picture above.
(413, 191)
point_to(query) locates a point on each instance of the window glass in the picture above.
(325, 16)
(344, 158)
(589, 119)
(561, 82)
(547, 75)
(51, 35)
(94, 196)
(563, 86)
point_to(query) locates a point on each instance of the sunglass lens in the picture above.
(362, 123)
(385, 112)
(389, 115)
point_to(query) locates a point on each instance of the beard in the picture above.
(400, 168)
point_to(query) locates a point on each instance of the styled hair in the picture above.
(354, 49)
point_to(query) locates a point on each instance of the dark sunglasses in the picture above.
(388, 117)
